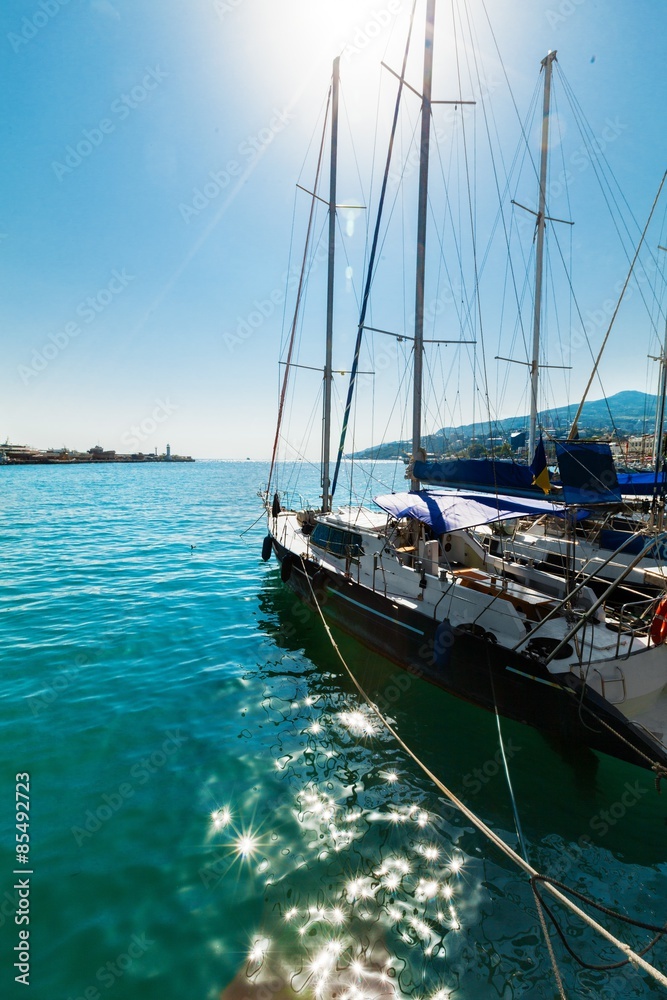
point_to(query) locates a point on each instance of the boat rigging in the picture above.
(410, 580)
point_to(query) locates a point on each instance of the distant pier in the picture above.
(21, 454)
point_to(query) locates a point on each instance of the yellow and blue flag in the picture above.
(538, 467)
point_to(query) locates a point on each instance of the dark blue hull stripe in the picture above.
(378, 614)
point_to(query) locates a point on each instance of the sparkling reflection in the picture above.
(353, 893)
(246, 845)
(370, 856)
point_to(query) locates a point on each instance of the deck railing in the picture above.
(634, 618)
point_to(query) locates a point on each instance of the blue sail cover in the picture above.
(454, 511)
(641, 484)
(479, 473)
(587, 472)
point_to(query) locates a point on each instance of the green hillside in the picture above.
(628, 412)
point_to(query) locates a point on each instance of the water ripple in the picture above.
(214, 808)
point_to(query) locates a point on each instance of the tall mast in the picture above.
(547, 63)
(328, 374)
(421, 236)
(658, 488)
(660, 421)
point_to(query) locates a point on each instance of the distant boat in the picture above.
(411, 582)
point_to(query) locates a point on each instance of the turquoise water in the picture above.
(210, 800)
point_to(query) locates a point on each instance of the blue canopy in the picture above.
(641, 483)
(587, 472)
(479, 474)
(453, 511)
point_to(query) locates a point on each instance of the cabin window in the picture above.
(337, 541)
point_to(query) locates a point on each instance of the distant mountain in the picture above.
(629, 412)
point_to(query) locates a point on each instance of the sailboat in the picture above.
(603, 544)
(410, 581)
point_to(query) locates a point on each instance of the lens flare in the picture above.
(246, 845)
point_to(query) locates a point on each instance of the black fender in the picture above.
(267, 548)
(443, 643)
(286, 567)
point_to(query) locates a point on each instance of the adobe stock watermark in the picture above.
(141, 773)
(600, 824)
(224, 7)
(120, 109)
(51, 691)
(564, 10)
(597, 320)
(620, 985)
(442, 130)
(371, 29)
(86, 313)
(108, 974)
(265, 307)
(584, 156)
(219, 180)
(605, 819)
(475, 780)
(9, 907)
(32, 24)
(213, 872)
(139, 433)
(389, 353)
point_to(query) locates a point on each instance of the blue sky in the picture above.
(147, 203)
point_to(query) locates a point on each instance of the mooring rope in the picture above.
(550, 947)
(659, 931)
(635, 959)
(517, 822)
(657, 768)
